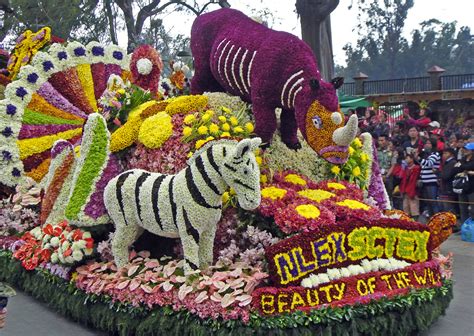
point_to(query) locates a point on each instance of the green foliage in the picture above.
(383, 53)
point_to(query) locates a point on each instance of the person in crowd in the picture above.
(447, 174)
(381, 127)
(430, 161)
(466, 166)
(437, 135)
(384, 156)
(394, 177)
(414, 144)
(411, 202)
(422, 121)
(397, 135)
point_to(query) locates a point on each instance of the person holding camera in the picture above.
(466, 166)
(430, 161)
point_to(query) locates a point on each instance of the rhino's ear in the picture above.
(337, 82)
(314, 83)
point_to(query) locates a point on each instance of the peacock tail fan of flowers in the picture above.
(50, 100)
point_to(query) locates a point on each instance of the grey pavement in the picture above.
(28, 317)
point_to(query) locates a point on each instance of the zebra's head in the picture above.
(241, 172)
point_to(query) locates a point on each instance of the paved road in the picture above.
(27, 317)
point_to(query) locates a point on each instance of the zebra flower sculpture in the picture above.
(187, 205)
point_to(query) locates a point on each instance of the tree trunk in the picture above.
(316, 31)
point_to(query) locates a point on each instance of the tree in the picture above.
(316, 31)
(69, 19)
(134, 24)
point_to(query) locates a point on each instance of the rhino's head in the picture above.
(324, 123)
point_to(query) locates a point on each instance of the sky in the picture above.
(343, 20)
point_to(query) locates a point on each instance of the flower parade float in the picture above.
(138, 209)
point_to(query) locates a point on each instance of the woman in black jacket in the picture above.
(467, 166)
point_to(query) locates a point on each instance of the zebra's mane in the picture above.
(208, 145)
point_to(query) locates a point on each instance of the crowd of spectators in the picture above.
(420, 159)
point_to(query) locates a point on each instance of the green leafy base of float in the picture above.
(402, 315)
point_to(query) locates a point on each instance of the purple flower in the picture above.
(7, 132)
(48, 65)
(21, 92)
(62, 55)
(97, 51)
(117, 55)
(79, 51)
(7, 156)
(32, 78)
(11, 109)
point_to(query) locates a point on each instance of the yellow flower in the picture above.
(225, 127)
(187, 131)
(249, 127)
(121, 91)
(353, 204)
(189, 119)
(238, 129)
(308, 211)
(351, 151)
(233, 120)
(335, 170)
(200, 143)
(356, 171)
(206, 117)
(213, 128)
(225, 135)
(357, 143)
(263, 179)
(210, 113)
(364, 157)
(210, 138)
(259, 160)
(295, 179)
(155, 130)
(225, 197)
(77, 151)
(222, 119)
(202, 130)
(317, 195)
(226, 110)
(190, 154)
(336, 186)
(273, 192)
(185, 104)
(231, 191)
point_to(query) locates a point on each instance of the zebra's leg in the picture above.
(124, 236)
(206, 248)
(191, 252)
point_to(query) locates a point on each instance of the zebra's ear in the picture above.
(256, 142)
(243, 147)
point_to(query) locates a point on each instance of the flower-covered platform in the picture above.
(143, 204)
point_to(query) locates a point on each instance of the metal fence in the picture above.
(457, 82)
(348, 89)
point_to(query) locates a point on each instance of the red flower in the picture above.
(48, 229)
(146, 66)
(77, 235)
(68, 252)
(89, 243)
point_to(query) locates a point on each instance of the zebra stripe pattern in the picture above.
(186, 205)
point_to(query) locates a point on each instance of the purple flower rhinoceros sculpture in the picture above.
(271, 69)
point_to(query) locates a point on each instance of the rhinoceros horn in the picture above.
(343, 136)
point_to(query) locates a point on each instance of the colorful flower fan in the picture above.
(51, 100)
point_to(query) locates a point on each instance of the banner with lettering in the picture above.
(356, 289)
(347, 243)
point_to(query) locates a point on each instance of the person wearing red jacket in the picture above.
(411, 202)
(423, 120)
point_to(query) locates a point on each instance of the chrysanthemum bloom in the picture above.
(146, 66)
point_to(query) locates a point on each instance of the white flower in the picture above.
(176, 66)
(306, 283)
(77, 255)
(95, 51)
(144, 66)
(65, 245)
(44, 63)
(367, 266)
(333, 274)
(323, 278)
(86, 235)
(61, 258)
(46, 238)
(54, 258)
(314, 280)
(353, 269)
(117, 55)
(69, 260)
(55, 242)
(60, 56)
(185, 69)
(345, 272)
(88, 251)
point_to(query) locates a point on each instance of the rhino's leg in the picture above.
(203, 79)
(265, 121)
(289, 129)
